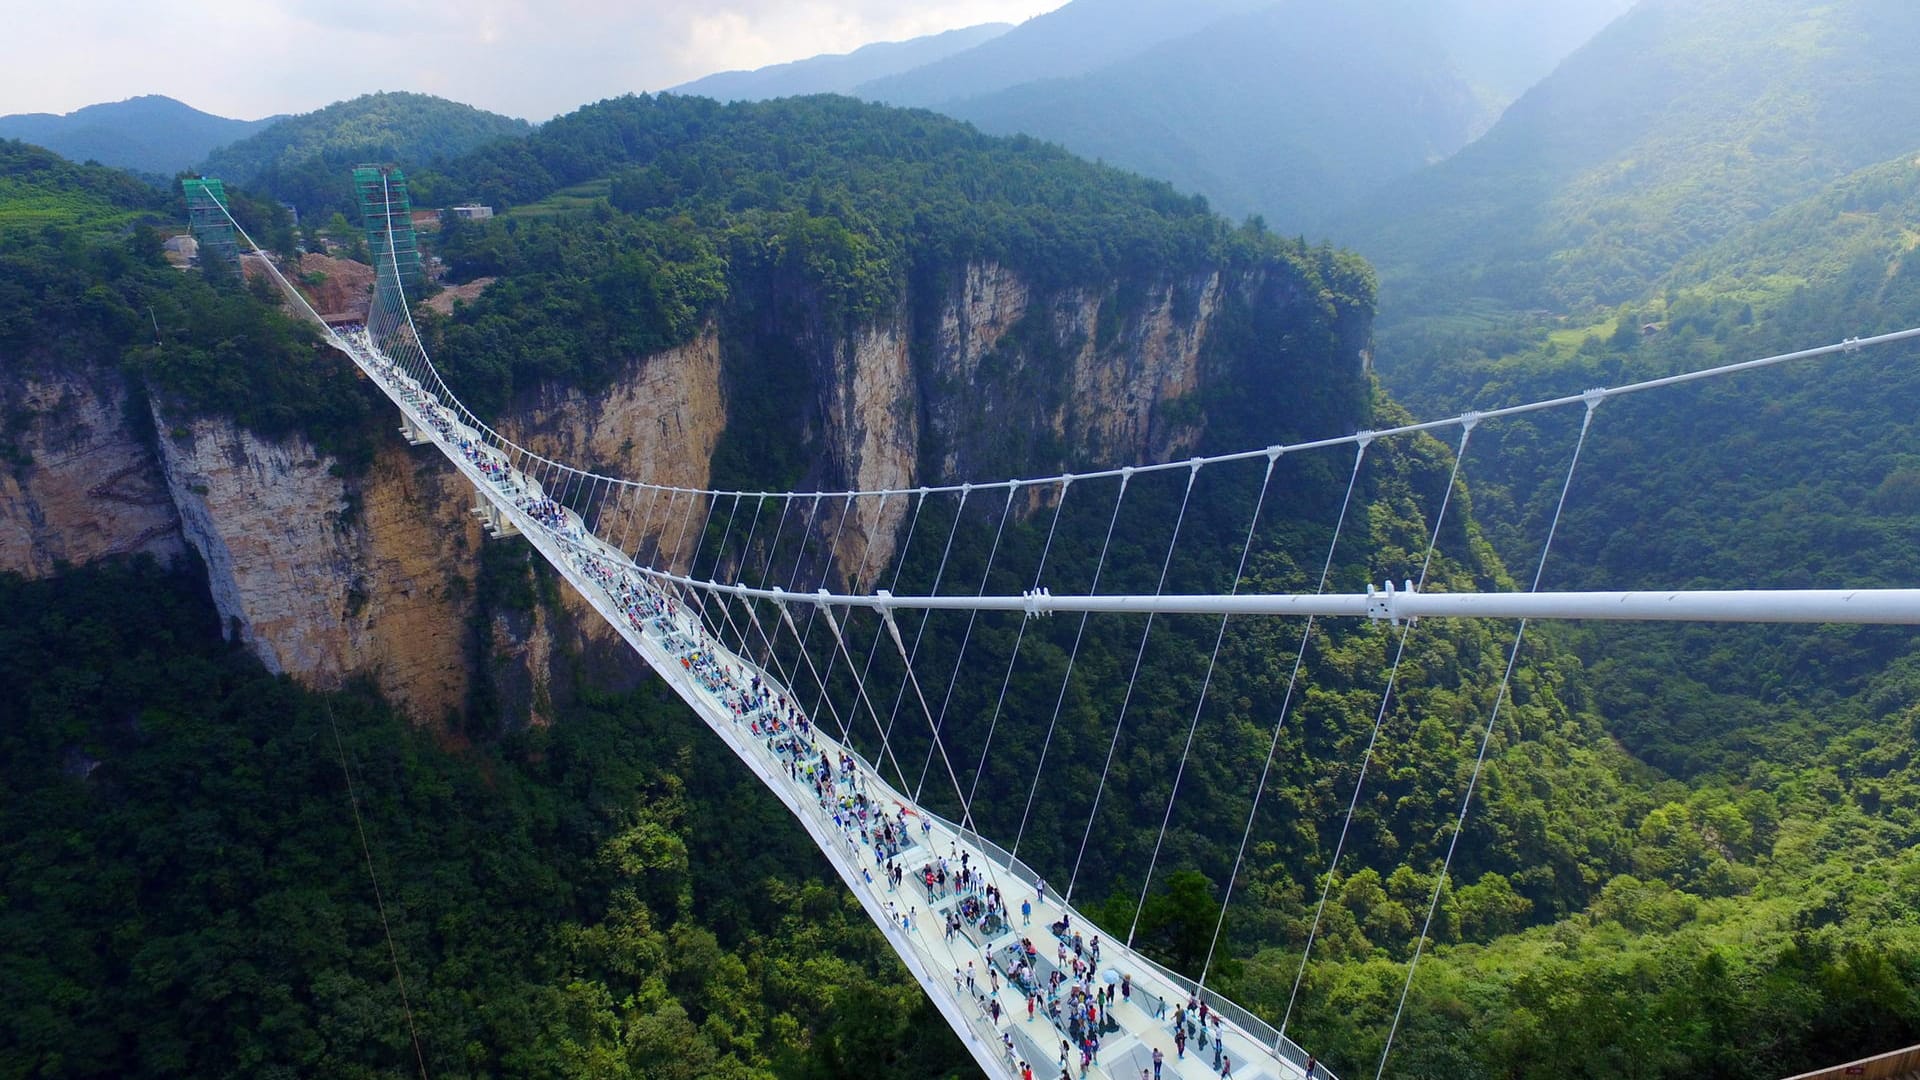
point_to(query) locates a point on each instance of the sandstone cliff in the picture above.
(328, 577)
(82, 484)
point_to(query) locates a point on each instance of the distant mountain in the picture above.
(839, 73)
(1682, 122)
(1077, 38)
(393, 126)
(1287, 112)
(152, 134)
(1503, 47)
(307, 159)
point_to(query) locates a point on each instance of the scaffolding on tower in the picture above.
(386, 211)
(207, 217)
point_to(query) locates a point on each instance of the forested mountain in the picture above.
(1681, 123)
(1289, 112)
(151, 134)
(84, 284)
(839, 73)
(307, 160)
(1802, 476)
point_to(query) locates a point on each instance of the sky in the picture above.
(253, 58)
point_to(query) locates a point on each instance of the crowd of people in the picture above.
(1073, 993)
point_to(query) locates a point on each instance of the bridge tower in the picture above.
(386, 211)
(207, 217)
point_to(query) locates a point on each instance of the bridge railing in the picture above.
(1284, 1048)
(1251, 1025)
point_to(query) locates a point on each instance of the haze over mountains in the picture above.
(840, 73)
(1290, 110)
(1598, 179)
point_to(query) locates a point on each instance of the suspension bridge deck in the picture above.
(725, 689)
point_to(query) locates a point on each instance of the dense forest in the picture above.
(185, 884)
(307, 160)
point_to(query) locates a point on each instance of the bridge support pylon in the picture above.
(412, 432)
(497, 523)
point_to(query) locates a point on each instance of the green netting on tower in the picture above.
(207, 217)
(384, 206)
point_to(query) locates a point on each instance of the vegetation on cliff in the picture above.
(83, 283)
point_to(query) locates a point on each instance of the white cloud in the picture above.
(534, 59)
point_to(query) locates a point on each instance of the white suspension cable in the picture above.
(1279, 722)
(1073, 654)
(1206, 681)
(966, 638)
(1486, 738)
(1464, 419)
(1380, 719)
(966, 806)
(1013, 657)
(1120, 721)
(959, 512)
(866, 555)
(879, 629)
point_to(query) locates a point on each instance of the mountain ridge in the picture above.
(839, 73)
(1364, 100)
(150, 133)
(1592, 183)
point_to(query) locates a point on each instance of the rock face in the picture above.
(657, 423)
(381, 574)
(339, 287)
(322, 578)
(81, 484)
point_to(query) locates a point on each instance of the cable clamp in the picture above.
(1852, 344)
(1037, 602)
(1469, 419)
(893, 628)
(1594, 396)
(825, 604)
(1383, 602)
(1363, 438)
